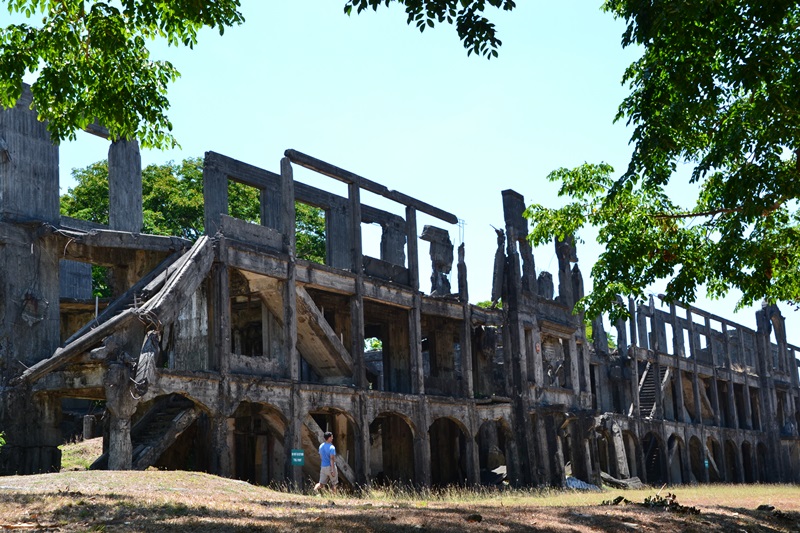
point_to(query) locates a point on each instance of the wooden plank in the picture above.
(150, 282)
(125, 240)
(258, 263)
(317, 341)
(348, 177)
(322, 277)
(164, 307)
(442, 308)
(385, 270)
(63, 355)
(386, 293)
(242, 172)
(236, 229)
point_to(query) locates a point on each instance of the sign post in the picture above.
(298, 458)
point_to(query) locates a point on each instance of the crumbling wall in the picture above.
(231, 354)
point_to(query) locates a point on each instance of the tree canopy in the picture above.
(717, 88)
(93, 64)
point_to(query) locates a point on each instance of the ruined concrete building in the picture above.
(227, 354)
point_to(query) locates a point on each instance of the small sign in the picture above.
(298, 458)
(706, 463)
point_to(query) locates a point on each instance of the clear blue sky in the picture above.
(370, 94)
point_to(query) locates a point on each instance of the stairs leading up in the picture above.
(647, 389)
(156, 431)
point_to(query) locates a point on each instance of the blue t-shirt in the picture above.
(326, 452)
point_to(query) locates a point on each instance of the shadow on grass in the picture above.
(75, 511)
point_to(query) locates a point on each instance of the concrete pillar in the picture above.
(620, 454)
(125, 186)
(121, 406)
(473, 459)
(422, 446)
(28, 165)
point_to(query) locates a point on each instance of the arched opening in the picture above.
(730, 461)
(169, 432)
(448, 452)
(654, 459)
(493, 439)
(714, 460)
(631, 447)
(696, 460)
(391, 439)
(345, 439)
(747, 463)
(605, 452)
(676, 460)
(258, 448)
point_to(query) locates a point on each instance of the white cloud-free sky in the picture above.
(372, 95)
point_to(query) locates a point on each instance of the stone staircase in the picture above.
(156, 431)
(647, 389)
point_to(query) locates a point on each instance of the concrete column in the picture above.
(291, 355)
(680, 352)
(28, 165)
(121, 406)
(422, 446)
(125, 186)
(414, 315)
(222, 460)
(292, 438)
(472, 460)
(215, 195)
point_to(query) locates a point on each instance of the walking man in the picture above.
(327, 455)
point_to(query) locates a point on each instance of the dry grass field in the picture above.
(159, 501)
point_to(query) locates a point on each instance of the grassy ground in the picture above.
(189, 501)
(157, 501)
(80, 455)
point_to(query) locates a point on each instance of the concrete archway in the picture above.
(715, 461)
(258, 443)
(632, 453)
(654, 458)
(346, 439)
(747, 463)
(493, 441)
(761, 462)
(391, 438)
(448, 443)
(730, 462)
(675, 460)
(605, 452)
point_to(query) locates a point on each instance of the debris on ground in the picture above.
(576, 484)
(668, 503)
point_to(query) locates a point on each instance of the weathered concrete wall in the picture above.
(253, 352)
(29, 286)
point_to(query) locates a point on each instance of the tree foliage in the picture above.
(477, 32)
(716, 88)
(94, 66)
(172, 202)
